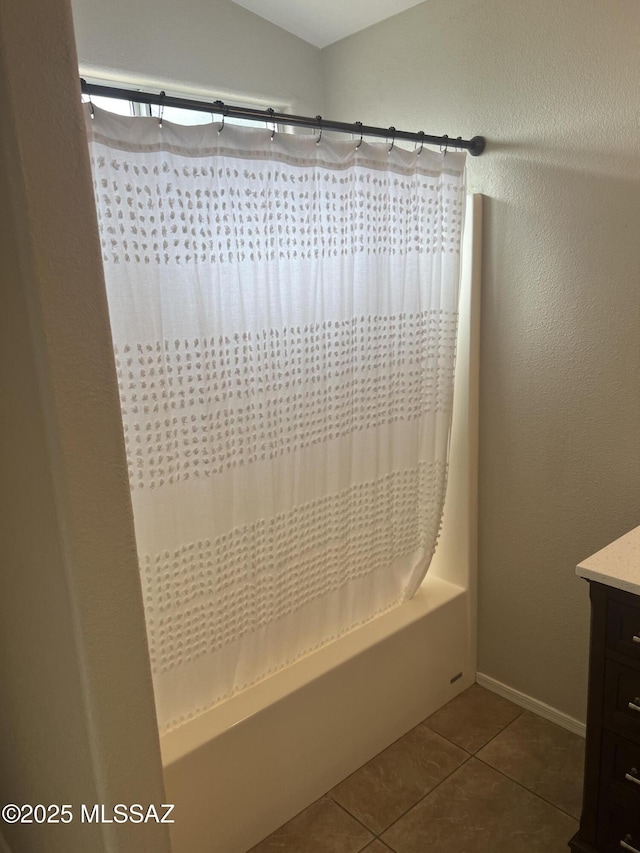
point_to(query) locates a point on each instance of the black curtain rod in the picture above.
(474, 146)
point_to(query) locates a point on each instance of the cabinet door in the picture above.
(618, 831)
(622, 700)
(623, 628)
(620, 778)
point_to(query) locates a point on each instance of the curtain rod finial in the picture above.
(479, 143)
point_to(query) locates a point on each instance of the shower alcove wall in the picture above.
(240, 770)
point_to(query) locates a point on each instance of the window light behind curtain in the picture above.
(284, 322)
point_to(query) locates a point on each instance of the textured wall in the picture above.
(212, 46)
(554, 87)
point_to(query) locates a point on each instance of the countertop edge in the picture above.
(616, 565)
(609, 580)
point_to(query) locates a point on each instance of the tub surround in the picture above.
(616, 565)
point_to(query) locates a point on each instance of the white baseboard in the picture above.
(531, 704)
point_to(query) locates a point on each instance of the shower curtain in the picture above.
(284, 322)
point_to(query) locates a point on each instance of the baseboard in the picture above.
(531, 704)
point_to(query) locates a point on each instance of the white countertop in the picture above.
(617, 564)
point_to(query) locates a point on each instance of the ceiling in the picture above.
(321, 22)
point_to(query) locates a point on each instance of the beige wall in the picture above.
(77, 722)
(554, 87)
(209, 46)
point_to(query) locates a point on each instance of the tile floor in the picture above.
(479, 776)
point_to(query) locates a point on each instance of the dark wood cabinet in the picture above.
(611, 801)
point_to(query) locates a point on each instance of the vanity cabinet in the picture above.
(610, 818)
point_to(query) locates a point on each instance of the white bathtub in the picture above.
(239, 771)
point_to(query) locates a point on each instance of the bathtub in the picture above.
(242, 769)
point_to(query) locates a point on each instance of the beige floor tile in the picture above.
(323, 827)
(477, 810)
(473, 718)
(543, 757)
(377, 847)
(388, 785)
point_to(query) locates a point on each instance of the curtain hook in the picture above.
(319, 120)
(393, 139)
(421, 134)
(85, 91)
(358, 124)
(271, 112)
(223, 108)
(446, 143)
(163, 95)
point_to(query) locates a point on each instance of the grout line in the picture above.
(524, 787)
(448, 776)
(469, 755)
(503, 729)
(368, 828)
(476, 755)
(428, 794)
(384, 843)
(493, 737)
(346, 810)
(459, 767)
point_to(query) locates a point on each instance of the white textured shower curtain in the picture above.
(284, 321)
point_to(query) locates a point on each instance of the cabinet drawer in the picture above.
(623, 629)
(622, 700)
(621, 770)
(618, 831)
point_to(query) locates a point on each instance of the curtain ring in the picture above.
(319, 120)
(224, 109)
(421, 134)
(446, 143)
(271, 112)
(393, 139)
(358, 124)
(163, 95)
